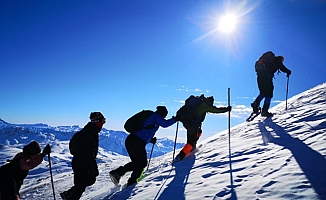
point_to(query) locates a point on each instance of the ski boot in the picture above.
(265, 113)
(115, 177)
(179, 157)
(255, 107)
(66, 195)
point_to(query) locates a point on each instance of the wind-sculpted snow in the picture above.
(282, 157)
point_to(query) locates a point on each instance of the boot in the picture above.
(255, 107)
(179, 157)
(265, 112)
(115, 177)
(67, 194)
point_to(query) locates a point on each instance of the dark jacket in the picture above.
(265, 75)
(86, 156)
(13, 174)
(271, 67)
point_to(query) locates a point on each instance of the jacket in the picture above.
(154, 119)
(268, 69)
(203, 108)
(86, 156)
(17, 170)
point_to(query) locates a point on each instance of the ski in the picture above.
(253, 115)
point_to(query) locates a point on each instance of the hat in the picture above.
(97, 117)
(281, 58)
(162, 111)
(32, 148)
(210, 99)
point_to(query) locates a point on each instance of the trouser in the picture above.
(137, 153)
(9, 186)
(266, 89)
(82, 179)
(193, 134)
(8, 190)
(265, 85)
(267, 101)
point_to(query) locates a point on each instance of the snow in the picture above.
(282, 157)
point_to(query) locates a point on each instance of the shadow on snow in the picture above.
(312, 163)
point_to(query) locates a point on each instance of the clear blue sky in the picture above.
(60, 60)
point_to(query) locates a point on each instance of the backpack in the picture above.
(74, 143)
(265, 62)
(135, 122)
(187, 112)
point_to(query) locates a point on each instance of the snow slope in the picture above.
(282, 157)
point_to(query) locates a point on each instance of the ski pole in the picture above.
(49, 158)
(229, 121)
(149, 161)
(286, 95)
(175, 140)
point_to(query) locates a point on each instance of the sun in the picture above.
(227, 23)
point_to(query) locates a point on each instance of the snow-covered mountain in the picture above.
(18, 135)
(282, 157)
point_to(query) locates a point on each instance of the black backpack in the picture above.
(265, 62)
(135, 122)
(74, 144)
(187, 112)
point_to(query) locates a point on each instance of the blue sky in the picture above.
(60, 60)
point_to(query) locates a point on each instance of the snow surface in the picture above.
(282, 157)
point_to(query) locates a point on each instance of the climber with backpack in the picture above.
(265, 68)
(142, 128)
(13, 173)
(192, 115)
(84, 148)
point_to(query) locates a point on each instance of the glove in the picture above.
(288, 73)
(227, 109)
(47, 150)
(153, 140)
(177, 118)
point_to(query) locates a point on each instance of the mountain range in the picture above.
(17, 135)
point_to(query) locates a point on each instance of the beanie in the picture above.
(32, 148)
(281, 58)
(97, 117)
(210, 100)
(162, 111)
